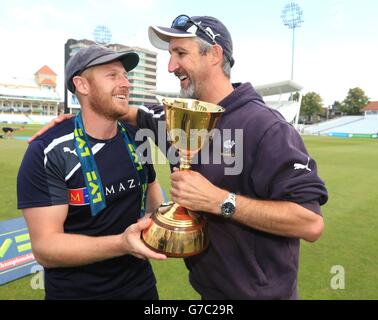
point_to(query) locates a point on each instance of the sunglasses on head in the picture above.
(181, 23)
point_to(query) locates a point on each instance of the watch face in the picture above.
(228, 209)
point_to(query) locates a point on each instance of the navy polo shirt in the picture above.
(50, 174)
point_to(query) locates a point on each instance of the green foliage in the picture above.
(337, 106)
(354, 102)
(295, 97)
(311, 104)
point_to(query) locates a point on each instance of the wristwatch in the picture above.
(228, 207)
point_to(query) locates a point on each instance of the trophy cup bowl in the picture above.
(175, 230)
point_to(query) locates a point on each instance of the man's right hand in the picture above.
(52, 123)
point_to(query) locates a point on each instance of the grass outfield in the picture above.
(349, 168)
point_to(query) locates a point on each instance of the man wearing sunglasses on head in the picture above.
(256, 217)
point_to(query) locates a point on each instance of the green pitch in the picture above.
(341, 265)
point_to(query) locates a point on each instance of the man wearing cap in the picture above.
(256, 217)
(84, 192)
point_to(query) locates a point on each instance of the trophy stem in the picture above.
(185, 163)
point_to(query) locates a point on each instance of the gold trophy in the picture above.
(175, 230)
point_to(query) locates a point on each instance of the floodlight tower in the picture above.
(292, 18)
(102, 35)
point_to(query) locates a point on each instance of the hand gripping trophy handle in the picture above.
(175, 230)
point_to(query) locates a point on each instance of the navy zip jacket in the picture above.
(242, 262)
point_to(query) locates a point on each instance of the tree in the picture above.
(311, 104)
(295, 97)
(354, 102)
(337, 106)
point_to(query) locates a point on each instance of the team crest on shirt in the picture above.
(228, 147)
(78, 197)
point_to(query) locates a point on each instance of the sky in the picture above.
(336, 47)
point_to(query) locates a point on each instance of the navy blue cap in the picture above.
(96, 55)
(215, 32)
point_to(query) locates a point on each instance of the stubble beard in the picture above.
(189, 92)
(105, 106)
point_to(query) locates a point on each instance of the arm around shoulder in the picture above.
(131, 116)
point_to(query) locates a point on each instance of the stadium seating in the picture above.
(289, 109)
(41, 119)
(24, 119)
(366, 125)
(348, 124)
(14, 118)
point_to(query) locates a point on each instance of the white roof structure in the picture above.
(278, 88)
(26, 89)
(288, 108)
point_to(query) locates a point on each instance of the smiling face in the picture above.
(108, 89)
(190, 66)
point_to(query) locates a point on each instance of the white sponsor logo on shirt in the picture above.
(66, 149)
(299, 166)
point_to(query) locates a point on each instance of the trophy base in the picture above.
(176, 232)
